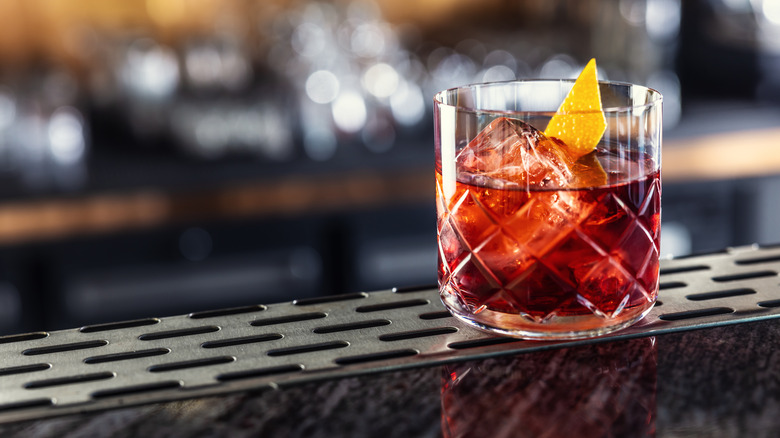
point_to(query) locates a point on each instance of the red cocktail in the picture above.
(538, 242)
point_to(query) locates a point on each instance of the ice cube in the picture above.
(515, 153)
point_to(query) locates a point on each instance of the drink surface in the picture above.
(575, 259)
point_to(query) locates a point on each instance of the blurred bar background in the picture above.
(166, 156)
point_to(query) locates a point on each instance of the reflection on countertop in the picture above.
(604, 390)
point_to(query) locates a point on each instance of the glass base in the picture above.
(556, 328)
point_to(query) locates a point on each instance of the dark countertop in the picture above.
(394, 363)
(722, 381)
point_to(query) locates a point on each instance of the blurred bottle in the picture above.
(44, 134)
(731, 49)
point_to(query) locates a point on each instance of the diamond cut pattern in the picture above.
(560, 251)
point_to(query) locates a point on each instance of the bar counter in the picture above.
(703, 363)
(713, 382)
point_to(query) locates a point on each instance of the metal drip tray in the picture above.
(265, 346)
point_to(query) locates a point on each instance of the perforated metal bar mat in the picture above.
(264, 346)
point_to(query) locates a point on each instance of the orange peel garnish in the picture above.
(579, 121)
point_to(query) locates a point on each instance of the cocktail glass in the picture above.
(533, 242)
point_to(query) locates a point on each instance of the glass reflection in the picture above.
(601, 390)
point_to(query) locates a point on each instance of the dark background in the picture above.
(166, 156)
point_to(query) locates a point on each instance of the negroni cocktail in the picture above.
(540, 237)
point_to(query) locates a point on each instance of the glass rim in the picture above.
(437, 98)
